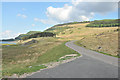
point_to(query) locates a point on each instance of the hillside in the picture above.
(74, 30)
(27, 34)
(90, 37)
(104, 23)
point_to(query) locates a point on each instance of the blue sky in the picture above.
(21, 17)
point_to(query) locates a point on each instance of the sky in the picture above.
(21, 17)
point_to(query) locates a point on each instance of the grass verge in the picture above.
(107, 54)
(78, 43)
(55, 53)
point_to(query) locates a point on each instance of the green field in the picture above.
(18, 59)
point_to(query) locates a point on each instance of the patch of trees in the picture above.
(25, 35)
(8, 40)
(104, 23)
(21, 36)
(41, 34)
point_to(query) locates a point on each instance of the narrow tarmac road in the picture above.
(90, 65)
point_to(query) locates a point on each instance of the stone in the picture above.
(99, 47)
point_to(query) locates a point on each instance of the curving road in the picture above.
(90, 65)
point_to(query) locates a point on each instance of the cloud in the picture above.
(33, 25)
(22, 15)
(36, 19)
(96, 7)
(5, 34)
(48, 21)
(23, 9)
(78, 11)
(95, 1)
(8, 34)
(45, 21)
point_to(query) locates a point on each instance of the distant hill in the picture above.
(7, 40)
(74, 27)
(104, 23)
(39, 34)
(93, 36)
(34, 34)
(59, 27)
(27, 34)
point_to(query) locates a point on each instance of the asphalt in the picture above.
(90, 65)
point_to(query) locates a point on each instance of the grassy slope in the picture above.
(78, 31)
(91, 38)
(18, 59)
(107, 41)
(28, 33)
(104, 23)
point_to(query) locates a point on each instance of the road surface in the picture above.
(90, 65)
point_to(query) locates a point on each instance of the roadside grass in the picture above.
(108, 54)
(21, 70)
(18, 58)
(30, 58)
(55, 53)
(107, 42)
(96, 50)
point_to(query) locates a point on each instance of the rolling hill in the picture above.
(91, 37)
(105, 38)
(27, 34)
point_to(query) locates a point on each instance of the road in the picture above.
(90, 65)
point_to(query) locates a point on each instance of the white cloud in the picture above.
(33, 25)
(23, 9)
(48, 21)
(18, 14)
(45, 21)
(5, 34)
(36, 19)
(78, 11)
(95, 1)
(22, 15)
(8, 34)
